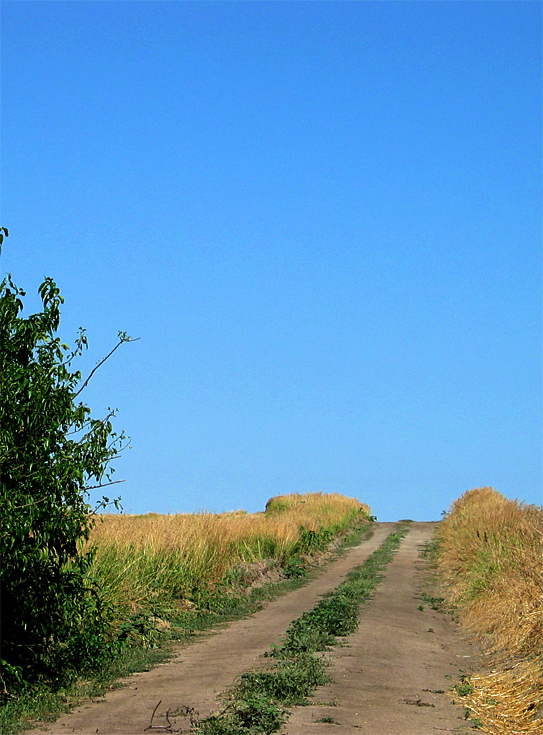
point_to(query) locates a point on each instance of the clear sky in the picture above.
(323, 220)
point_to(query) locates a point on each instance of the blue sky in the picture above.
(323, 220)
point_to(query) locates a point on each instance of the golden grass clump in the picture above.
(314, 505)
(141, 558)
(490, 556)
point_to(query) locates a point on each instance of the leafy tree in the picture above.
(52, 453)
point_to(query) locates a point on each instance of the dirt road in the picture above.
(382, 679)
(392, 676)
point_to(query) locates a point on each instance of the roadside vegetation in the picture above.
(489, 552)
(154, 565)
(258, 702)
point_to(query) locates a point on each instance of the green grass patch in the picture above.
(464, 688)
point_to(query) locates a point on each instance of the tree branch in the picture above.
(93, 487)
(123, 338)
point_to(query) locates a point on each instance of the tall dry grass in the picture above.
(490, 556)
(140, 560)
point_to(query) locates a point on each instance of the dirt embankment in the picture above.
(386, 678)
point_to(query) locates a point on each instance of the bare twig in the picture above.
(189, 712)
(157, 727)
(105, 484)
(119, 343)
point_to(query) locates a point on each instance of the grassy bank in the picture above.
(490, 557)
(165, 577)
(151, 562)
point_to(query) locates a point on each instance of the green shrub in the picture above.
(51, 451)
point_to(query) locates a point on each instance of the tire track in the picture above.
(392, 675)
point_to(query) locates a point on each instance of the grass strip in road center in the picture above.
(257, 704)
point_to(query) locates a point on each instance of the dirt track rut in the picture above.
(381, 676)
(392, 675)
